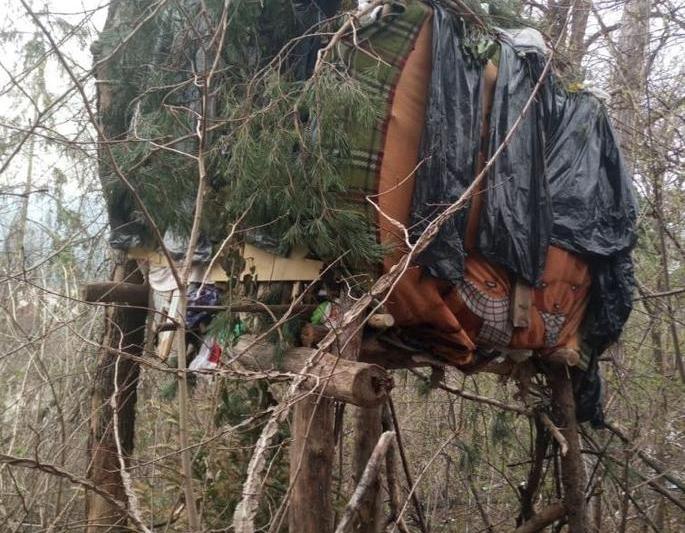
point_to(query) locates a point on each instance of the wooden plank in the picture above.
(263, 266)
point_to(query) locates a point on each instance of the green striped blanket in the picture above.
(375, 55)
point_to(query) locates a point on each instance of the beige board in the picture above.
(259, 264)
(216, 275)
(264, 266)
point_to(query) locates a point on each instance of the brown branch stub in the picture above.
(554, 430)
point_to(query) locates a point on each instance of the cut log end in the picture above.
(370, 384)
(362, 384)
(115, 292)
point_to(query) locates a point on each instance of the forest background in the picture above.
(469, 456)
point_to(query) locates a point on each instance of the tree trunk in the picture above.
(124, 327)
(312, 451)
(124, 332)
(311, 466)
(576, 45)
(573, 477)
(367, 431)
(629, 76)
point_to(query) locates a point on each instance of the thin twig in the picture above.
(563, 443)
(407, 471)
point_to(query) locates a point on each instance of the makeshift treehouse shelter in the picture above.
(326, 163)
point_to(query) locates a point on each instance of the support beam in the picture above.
(357, 383)
(573, 477)
(116, 292)
(136, 294)
(312, 452)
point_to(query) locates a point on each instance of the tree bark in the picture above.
(630, 76)
(573, 475)
(124, 331)
(357, 383)
(576, 45)
(311, 466)
(367, 486)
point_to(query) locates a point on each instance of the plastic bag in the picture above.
(449, 146)
(208, 357)
(516, 219)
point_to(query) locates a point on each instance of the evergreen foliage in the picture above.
(276, 145)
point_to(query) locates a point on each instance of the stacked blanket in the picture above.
(553, 223)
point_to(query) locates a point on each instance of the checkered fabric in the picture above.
(375, 56)
(497, 329)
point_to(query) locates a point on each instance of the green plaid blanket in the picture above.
(375, 56)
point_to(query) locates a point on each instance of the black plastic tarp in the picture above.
(581, 197)
(449, 147)
(593, 203)
(560, 180)
(515, 222)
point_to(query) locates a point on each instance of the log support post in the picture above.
(124, 332)
(573, 476)
(314, 443)
(312, 451)
(367, 485)
(367, 431)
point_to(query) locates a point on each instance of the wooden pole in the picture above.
(124, 331)
(312, 451)
(573, 477)
(367, 431)
(391, 477)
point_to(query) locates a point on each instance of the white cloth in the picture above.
(161, 279)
